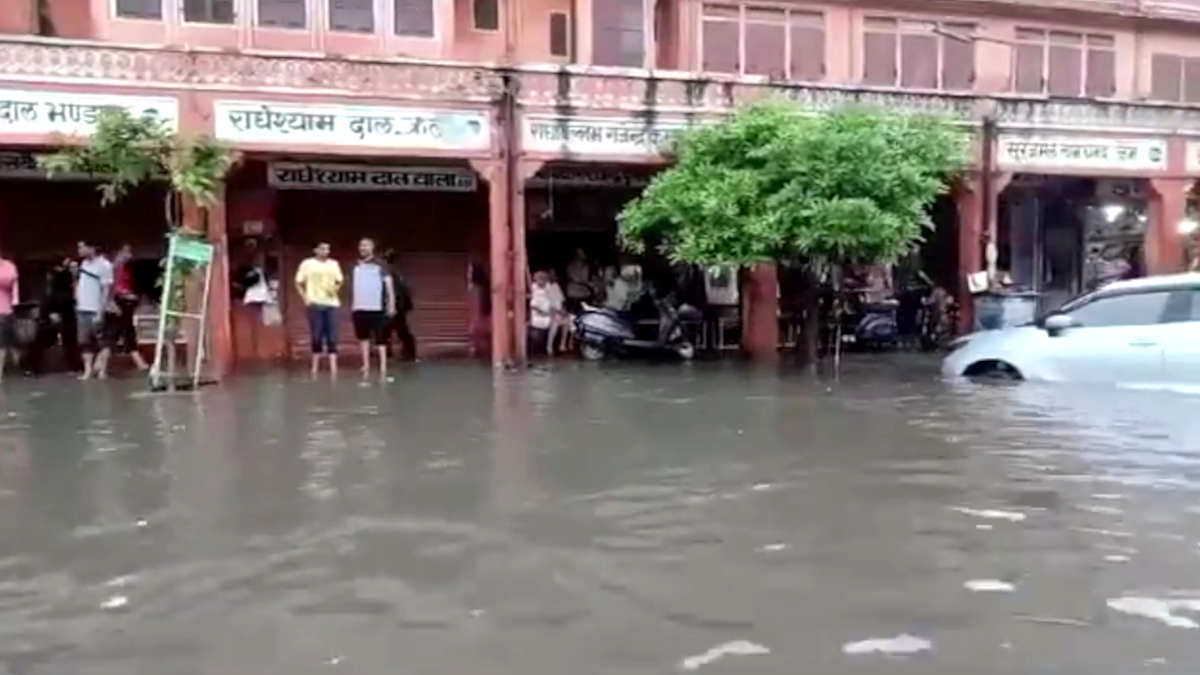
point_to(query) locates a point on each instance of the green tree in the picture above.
(774, 183)
(126, 151)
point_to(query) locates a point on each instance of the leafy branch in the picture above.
(126, 151)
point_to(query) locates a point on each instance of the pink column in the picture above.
(760, 305)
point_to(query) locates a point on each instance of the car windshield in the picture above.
(1068, 306)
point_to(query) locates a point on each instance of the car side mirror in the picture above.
(1057, 323)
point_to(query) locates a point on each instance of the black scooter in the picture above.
(603, 333)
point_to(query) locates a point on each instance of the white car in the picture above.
(1138, 332)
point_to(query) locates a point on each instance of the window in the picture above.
(744, 39)
(1175, 78)
(352, 16)
(283, 13)
(560, 34)
(918, 54)
(208, 11)
(414, 18)
(1128, 309)
(1183, 306)
(619, 33)
(140, 9)
(1064, 63)
(486, 14)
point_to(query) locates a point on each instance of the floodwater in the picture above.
(619, 519)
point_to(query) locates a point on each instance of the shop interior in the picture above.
(1061, 236)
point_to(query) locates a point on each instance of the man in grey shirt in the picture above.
(93, 290)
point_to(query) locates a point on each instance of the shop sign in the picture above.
(594, 178)
(957, 108)
(1192, 162)
(1116, 154)
(599, 136)
(43, 112)
(24, 165)
(367, 177)
(289, 124)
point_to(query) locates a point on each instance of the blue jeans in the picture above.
(322, 329)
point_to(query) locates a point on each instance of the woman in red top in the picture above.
(124, 337)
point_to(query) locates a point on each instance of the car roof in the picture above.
(1161, 282)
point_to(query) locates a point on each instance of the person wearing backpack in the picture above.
(373, 305)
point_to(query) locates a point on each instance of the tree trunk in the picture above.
(810, 322)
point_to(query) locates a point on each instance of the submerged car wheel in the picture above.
(686, 351)
(591, 352)
(993, 370)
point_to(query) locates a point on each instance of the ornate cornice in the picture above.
(119, 65)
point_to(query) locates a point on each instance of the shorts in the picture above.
(370, 326)
(90, 329)
(8, 333)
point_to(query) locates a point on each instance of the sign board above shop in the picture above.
(1073, 153)
(598, 136)
(290, 124)
(370, 177)
(29, 112)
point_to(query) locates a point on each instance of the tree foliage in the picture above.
(771, 183)
(126, 151)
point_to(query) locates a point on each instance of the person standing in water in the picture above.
(319, 282)
(93, 298)
(373, 305)
(8, 300)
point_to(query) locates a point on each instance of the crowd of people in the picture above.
(86, 306)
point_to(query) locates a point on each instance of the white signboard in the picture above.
(366, 177)
(42, 112)
(1066, 152)
(289, 124)
(1192, 165)
(598, 136)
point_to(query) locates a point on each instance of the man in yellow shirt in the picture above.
(319, 282)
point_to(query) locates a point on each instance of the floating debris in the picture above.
(1158, 609)
(989, 586)
(772, 547)
(992, 514)
(901, 645)
(115, 602)
(734, 648)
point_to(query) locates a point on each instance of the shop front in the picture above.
(43, 218)
(321, 173)
(1078, 211)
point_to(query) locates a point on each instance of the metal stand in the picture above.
(201, 253)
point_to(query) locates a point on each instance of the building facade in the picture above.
(422, 123)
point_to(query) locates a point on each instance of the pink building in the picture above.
(449, 129)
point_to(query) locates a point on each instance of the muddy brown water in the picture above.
(616, 519)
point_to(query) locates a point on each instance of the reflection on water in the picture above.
(599, 520)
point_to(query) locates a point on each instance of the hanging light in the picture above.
(1188, 225)
(1112, 211)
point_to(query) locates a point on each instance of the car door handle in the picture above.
(1142, 343)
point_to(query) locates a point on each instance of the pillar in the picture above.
(219, 343)
(978, 226)
(526, 169)
(499, 266)
(969, 201)
(760, 309)
(1165, 248)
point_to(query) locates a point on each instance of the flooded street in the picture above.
(617, 520)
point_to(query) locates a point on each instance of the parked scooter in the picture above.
(603, 333)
